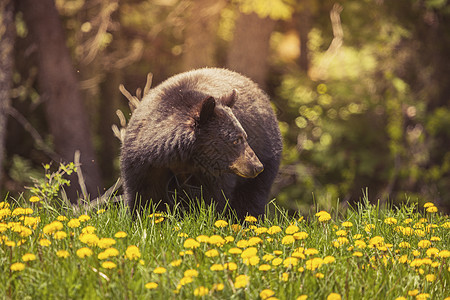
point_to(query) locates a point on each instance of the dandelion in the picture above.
(290, 262)
(404, 245)
(120, 235)
(109, 265)
(435, 239)
(432, 252)
(250, 219)
(52, 227)
(291, 229)
(159, 270)
(91, 239)
(313, 264)
(17, 266)
(31, 221)
(242, 244)
(191, 244)
(132, 253)
(428, 204)
(151, 285)
(341, 233)
(234, 251)
(390, 221)
(261, 230)
(424, 244)
(74, 223)
(34, 199)
(249, 252)
(376, 241)
(288, 239)
(413, 293)
(264, 267)
(221, 223)
(87, 229)
(45, 242)
(185, 280)
(368, 228)
(201, 291)
(106, 243)
(334, 296)
(236, 227)
(176, 263)
(347, 224)
(202, 238)
(432, 209)
(300, 235)
(329, 259)
(444, 253)
(84, 218)
(212, 253)
(302, 297)
(277, 261)
(264, 294)
(191, 273)
(100, 211)
(28, 257)
(400, 298)
(320, 275)
(216, 240)
(241, 281)
(360, 244)
(422, 296)
(63, 253)
(357, 254)
(311, 251)
(84, 252)
(274, 229)
(323, 216)
(59, 235)
(430, 277)
(216, 267)
(230, 266)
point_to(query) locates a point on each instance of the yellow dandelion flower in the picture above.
(91, 239)
(212, 253)
(369, 227)
(266, 293)
(218, 287)
(230, 266)
(105, 243)
(413, 292)
(103, 255)
(191, 273)
(277, 252)
(404, 245)
(52, 227)
(290, 262)
(249, 252)
(313, 264)
(236, 227)
(432, 252)
(444, 253)
(191, 244)
(201, 291)
(357, 254)
(109, 265)
(87, 229)
(202, 238)
(302, 297)
(84, 218)
(221, 223)
(44, 242)
(298, 254)
(234, 251)
(34, 199)
(241, 281)
(242, 244)
(229, 239)
(216, 267)
(253, 241)
(176, 263)
(341, 233)
(277, 261)
(62, 253)
(28, 257)
(120, 234)
(274, 230)
(291, 229)
(112, 252)
(419, 232)
(422, 296)
(424, 243)
(430, 277)
(159, 270)
(100, 211)
(347, 224)
(268, 257)
(59, 235)
(360, 244)
(264, 267)
(390, 221)
(288, 239)
(132, 253)
(319, 275)
(17, 266)
(334, 296)
(311, 251)
(329, 259)
(151, 285)
(376, 241)
(300, 235)
(185, 280)
(323, 216)
(216, 240)
(252, 261)
(250, 219)
(74, 223)
(31, 221)
(432, 209)
(84, 252)
(428, 204)
(260, 230)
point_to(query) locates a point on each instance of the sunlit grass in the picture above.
(366, 253)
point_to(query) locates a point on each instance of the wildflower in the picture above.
(404, 245)
(234, 251)
(242, 244)
(390, 221)
(341, 233)
(424, 244)
(334, 296)
(159, 270)
(109, 265)
(264, 294)
(230, 266)
(400, 298)
(151, 285)
(132, 252)
(31, 221)
(357, 254)
(236, 227)
(249, 252)
(191, 243)
(311, 251)
(63, 253)
(120, 234)
(216, 240)
(90, 239)
(360, 244)
(323, 216)
(261, 230)
(302, 297)
(74, 223)
(221, 223)
(432, 209)
(84, 218)
(413, 293)
(218, 287)
(445, 225)
(176, 263)
(347, 224)
(59, 235)
(106, 243)
(444, 253)
(212, 253)
(52, 227)
(202, 238)
(83, 252)
(185, 280)
(264, 267)
(288, 239)
(34, 199)
(241, 281)
(17, 266)
(28, 257)
(369, 227)
(408, 231)
(290, 262)
(277, 261)
(201, 291)
(274, 230)
(216, 267)
(376, 241)
(422, 296)
(291, 229)
(320, 275)
(250, 219)
(432, 252)
(430, 277)
(313, 264)
(329, 259)
(44, 242)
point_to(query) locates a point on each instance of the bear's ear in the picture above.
(230, 99)
(207, 111)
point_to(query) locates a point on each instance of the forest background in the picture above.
(361, 87)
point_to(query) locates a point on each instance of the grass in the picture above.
(361, 253)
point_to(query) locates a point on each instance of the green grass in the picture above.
(385, 268)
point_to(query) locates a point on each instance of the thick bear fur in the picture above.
(208, 133)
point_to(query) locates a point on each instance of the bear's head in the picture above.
(221, 142)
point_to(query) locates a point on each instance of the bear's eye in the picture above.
(239, 140)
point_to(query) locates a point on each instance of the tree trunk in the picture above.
(7, 36)
(249, 50)
(66, 116)
(203, 19)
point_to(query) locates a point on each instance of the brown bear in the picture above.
(208, 134)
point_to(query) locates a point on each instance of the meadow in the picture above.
(365, 252)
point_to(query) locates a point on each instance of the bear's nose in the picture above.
(258, 169)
